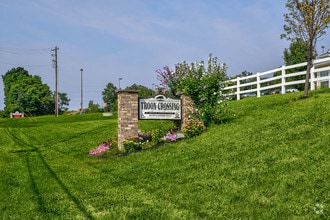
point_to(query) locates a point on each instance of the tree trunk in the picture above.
(310, 56)
(308, 74)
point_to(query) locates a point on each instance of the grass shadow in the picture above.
(33, 149)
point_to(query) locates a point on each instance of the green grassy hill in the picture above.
(270, 161)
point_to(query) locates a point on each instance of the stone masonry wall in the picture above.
(127, 115)
(187, 110)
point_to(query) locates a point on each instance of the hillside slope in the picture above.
(270, 161)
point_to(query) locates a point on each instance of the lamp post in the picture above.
(81, 91)
(154, 88)
(119, 82)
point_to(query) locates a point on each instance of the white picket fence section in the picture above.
(234, 86)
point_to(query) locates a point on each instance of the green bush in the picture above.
(133, 144)
(157, 136)
(199, 81)
(193, 129)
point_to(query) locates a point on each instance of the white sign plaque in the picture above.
(160, 107)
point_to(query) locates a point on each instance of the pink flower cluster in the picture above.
(101, 149)
(169, 136)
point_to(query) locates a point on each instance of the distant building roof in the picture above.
(325, 55)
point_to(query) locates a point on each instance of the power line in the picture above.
(9, 50)
(28, 65)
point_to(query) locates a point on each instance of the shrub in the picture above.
(139, 142)
(193, 128)
(104, 148)
(133, 144)
(157, 136)
(169, 137)
(201, 82)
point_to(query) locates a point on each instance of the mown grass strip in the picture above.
(269, 162)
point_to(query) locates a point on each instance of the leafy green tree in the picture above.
(26, 93)
(63, 101)
(144, 92)
(307, 20)
(202, 83)
(296, 53)
(110, 97)
(93, 108)
(244, 74)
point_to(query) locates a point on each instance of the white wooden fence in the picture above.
(259, 82)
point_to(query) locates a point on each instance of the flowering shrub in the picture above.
(145, 137)
(106, 148)
(136, 143)
(133, 144)
(103, 147)
(148, 140)
(169, 137)
(194, 128)
(201, 83)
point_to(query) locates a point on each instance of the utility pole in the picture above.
(81, 91)
(56, 79)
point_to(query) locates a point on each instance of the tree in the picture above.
(144, 92)
(93, 108)
(26, 93)
(307, 20)
(63, 101)
(109, 95)
(296, 53)
(201, 83)
(244, 74)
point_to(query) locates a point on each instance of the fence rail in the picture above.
(278, 78)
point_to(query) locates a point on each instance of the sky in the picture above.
(130, 39)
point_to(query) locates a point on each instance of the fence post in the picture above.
(312, 78)
(283, 80)
(258, 85)
(238, 96)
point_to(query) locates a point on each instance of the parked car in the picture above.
(249, 94)
(266, 92)
(292, 90)
(229, 97)
(276, 92)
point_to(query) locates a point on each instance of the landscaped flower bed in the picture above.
(143, 141)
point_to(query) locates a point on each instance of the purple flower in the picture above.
(169, 136)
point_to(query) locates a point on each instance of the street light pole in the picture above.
(119, 82)
(81, 91)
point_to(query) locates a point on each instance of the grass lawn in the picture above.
(269, 162)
